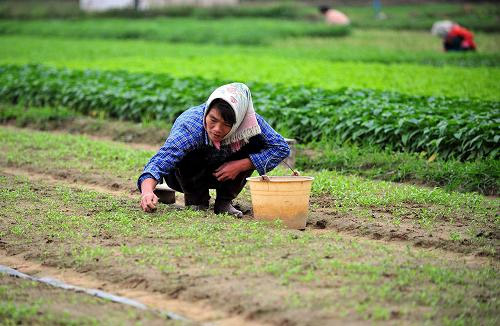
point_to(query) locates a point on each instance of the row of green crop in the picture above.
(242, 31)
(465, 129)
(361, 45)
(287, 63)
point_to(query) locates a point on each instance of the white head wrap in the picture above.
(441, 28)
(239, 97)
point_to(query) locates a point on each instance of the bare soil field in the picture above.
(69, 203)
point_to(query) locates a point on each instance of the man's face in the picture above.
(216, 127)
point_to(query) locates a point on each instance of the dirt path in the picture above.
(197, 311)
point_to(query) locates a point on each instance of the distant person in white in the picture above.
(334, 17)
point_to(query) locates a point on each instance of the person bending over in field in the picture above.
(216, 145)
(334, 17)
(455, 37)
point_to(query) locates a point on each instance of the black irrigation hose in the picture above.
(93, 292)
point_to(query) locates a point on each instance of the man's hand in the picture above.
(149, 201)
(230, 170)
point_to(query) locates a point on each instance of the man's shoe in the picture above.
(225, 206)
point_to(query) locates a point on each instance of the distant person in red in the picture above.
(455, 37)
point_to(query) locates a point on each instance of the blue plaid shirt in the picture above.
(188, 133)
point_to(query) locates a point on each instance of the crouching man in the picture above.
(216, 145)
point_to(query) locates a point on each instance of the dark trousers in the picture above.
(193, 177)
(455, 44)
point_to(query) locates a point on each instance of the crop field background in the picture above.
(401, 138)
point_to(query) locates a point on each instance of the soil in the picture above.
(221, 299)
(55, 305)
(379, 226)
(200, 311)
(189, 292)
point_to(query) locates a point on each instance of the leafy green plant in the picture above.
(451, 127)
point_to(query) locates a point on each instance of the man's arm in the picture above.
(174, 149)
(185, 135)
(148, 199)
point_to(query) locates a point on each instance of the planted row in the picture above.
(461, 128)
(243, 31)
(291, 62)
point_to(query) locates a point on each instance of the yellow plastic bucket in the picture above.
(282, 197)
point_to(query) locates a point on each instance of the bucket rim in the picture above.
(284, 178)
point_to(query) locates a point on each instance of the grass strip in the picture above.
(195, 251)
(388, 47)
(243, 31)
(480, 176)
(466, 219)
(450, 127)
(421, 16)
(375, 46)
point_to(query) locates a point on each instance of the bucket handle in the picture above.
(266, 178)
